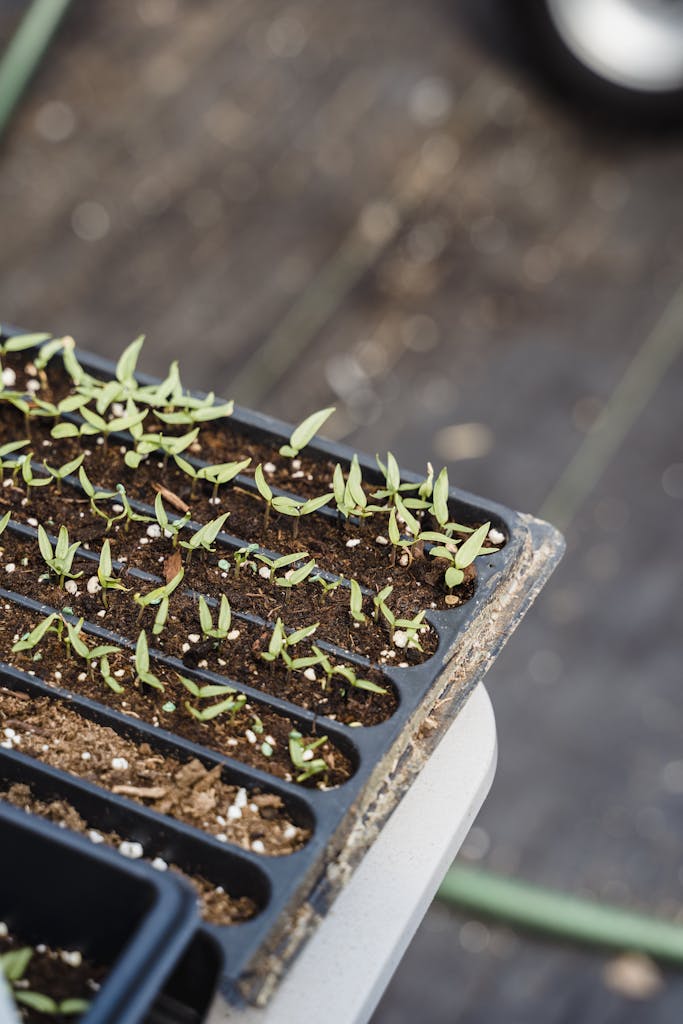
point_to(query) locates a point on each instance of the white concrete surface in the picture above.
(348, 962)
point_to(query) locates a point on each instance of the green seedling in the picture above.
(349, 496)
(265, 492)
(129, 515)
(356, 603)
(73, 639)
(4, 521)
(302, 756)
(107, 678)
(59, 473)
(105, 575)
(13, 965)
(439, 508)
(304, 433)
(201, 413)
(60, 558)
(72, 403)
(273, 564)
(103, 496)
(204, 538)
(327, 586)
(223, 621)
(242, 557)
(379, 602)
(426, 488)
(232, 703)
(95, 425)
(53, 623)
(21, 342)
(281, 642)
(156, 596)
(297, 509)
(9, 449)
(222, 474)
(142, 665)
(293, 577)
(463, 556)
(392, 480)
(169, 444)
(161, 617)
(349, 675)
(28, 476)
(169, 527)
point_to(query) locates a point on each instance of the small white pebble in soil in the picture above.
(269, 467)
(221, 837)
(289, 832)
(241, 799)
(270, 739)
(10, 567)
(57, 675)
(4, 931)
(101, 613)
(159, 864)
(403, 664)
(257, 846)
(234, 813)
(298, 475)
(10, 734)
(117, 508)
(251, 736)
(153, 531)
(185, 648)
(119, 764)
(253, 808)
(307, 755)
(379, 539)
(132, 850)
(120, 673)
(8, 482)
(86, 755)
(400, 638)
(203, 663)
(71, 587)
(264, 572)
(404, 559)
(45, 747)
(118, 409)
(9, 377)
(309, 673)
(99, 440)
(31, 521)
(232, 635)
(71, 957)
(193, 638)
(93, 585)
(95, 837)
(296, 463)
(495, 536)
(232, 742)
(143, 540)
(353, 543)
(33, 385)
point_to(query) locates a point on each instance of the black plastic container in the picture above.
(293, 891)
(57, 888)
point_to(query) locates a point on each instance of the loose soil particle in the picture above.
(48, 730)
(217, 906)
(55, 973)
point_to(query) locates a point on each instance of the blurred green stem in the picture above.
(25, 49)
(564, 916)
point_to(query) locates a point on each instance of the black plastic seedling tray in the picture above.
(57, 888)
(292, 892)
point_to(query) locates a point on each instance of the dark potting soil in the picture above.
(217, 906)
(48, 730)
(254, 734)
(239, 658)
(56, 973)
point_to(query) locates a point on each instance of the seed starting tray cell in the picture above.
(293, 891)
